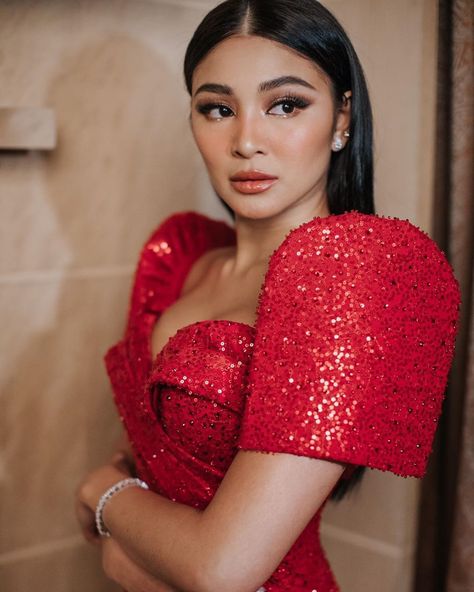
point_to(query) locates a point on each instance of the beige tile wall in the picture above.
(71, 225)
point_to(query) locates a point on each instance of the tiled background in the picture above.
(71, 225)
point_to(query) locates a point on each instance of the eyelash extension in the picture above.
(294, 100)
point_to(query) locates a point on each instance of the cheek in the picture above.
(306, 143)
(210, 144)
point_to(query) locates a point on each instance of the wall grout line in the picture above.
(36, 551)
(24, 277)
(370, 544)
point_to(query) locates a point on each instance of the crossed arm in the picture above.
(261, 507)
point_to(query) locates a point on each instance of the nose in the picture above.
(248, 137)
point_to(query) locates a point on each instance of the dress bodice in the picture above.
(323, 356)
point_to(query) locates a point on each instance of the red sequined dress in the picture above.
(348, 360)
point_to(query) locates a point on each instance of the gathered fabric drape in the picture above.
(445, 550)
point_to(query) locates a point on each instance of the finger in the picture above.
(118, 457)
(126, 466)
(91, 537)
(86, 521)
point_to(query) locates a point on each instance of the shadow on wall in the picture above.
(122, 160)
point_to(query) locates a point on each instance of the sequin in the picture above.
(395, 324)
(348, 361)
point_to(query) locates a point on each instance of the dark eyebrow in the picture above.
(223, 89)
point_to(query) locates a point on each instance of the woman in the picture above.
(322, 325)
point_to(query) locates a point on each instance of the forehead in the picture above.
(243, 61)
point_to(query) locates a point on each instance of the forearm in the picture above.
(260, 508)
(152, 559)
(138, 569)
(120, 568)
(162, 537)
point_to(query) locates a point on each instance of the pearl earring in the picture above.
(337, 144)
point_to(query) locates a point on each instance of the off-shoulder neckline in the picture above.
(272, 258)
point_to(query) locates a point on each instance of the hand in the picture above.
(124, 455)
(86, 519)
(96, 483)
(89, 491)
(124, 462)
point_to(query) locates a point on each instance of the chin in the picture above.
(255, 209)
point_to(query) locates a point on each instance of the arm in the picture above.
(259, 510)
(118, 567)
(116, 563)
(123, 461)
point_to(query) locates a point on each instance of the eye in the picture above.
(288, 105)
(283, 107)
(215, 111)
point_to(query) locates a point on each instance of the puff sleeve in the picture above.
(355, 334)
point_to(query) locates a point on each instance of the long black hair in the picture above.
(307, 27)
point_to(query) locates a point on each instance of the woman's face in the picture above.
(257, 106)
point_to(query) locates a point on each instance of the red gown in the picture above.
(348, 361)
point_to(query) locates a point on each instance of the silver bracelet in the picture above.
(121, 485)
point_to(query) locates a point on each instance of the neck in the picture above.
(257, 239)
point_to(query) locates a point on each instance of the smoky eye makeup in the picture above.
(290, 99)
(290, 102)
(207, 107)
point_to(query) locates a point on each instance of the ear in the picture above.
(343, 115)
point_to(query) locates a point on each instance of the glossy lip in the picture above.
(252, 176)
(251, 187)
